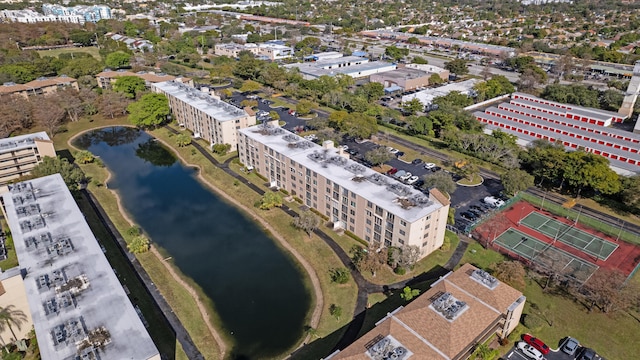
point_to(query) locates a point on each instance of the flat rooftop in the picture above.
(22, 141)
(217, 109)
(569, 108)
(369, 184)
(427, 96)
(71, 288)
(317, 71)
(405, 74)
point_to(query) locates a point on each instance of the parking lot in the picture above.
(291, 121)
(516, 354)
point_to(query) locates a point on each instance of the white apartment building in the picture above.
(267, 51)
(204, 114)
(374, 207)
(31, 17)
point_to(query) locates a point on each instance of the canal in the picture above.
(256, 288)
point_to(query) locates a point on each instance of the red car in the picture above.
(536, 343)
(392, 171)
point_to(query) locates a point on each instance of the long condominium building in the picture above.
(447, 322)
(20, 154)
(374, 207)
(204, 114)
(78, 306)
(40, 86)
(107, 78)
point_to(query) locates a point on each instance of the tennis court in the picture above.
(545, 255)
(570, 235)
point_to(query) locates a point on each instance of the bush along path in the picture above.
(365, 287)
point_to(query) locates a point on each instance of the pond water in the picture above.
(256, 288)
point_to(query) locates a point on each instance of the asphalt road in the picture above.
(516, 354)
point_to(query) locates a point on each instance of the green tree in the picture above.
(84, 157)
(138, 245)
(274, 115)
(435, 79)
(183, 140)
(250, 86)
(221, 149)
(71, 174)
(516, 180)
(396, 53)
(419, 60)
(377, 156)
(408, 293)
(85, 38)
(150, 111)
(270, 200)
(304, 107)
(335, 311)
(421, 125)
(372, 91)
(413, 106)
(130, 86)
(360, 126)
(588, 170)
(117, 60)
(457, 67)
(82, 66)
(441, 181)
(17, 73)
(339, 275)
(510, 272)
(306, 221)
(10, 316)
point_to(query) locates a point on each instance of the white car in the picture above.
(429, 166)
(392, 150)
(344, 147)
(529, 351)
(406, 176)
(412, 180)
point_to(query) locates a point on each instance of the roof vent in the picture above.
(387, 348)
(484, 278)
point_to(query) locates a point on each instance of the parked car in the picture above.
(399, 154)
(469, 216)
(529, 351)
(417, 161)
(490, 200)
(412, 180)
(344, 147)
(570, 346)
(392, 150)
(406, 176)
(400, 173)
(536, 343)
(392, 171)
(587, 354)
(429, 166)
(292, 112)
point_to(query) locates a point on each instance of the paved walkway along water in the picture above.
(365, 287)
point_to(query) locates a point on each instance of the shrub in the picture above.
(533, 322)
(339, 275)
(139, 245)
(446, 245)
(133, 231)
(400, 270)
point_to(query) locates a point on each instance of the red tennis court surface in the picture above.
(625, 258)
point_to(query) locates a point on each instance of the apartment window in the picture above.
(353, 203)
(368, 221)
(344, 217)
(377, 237)
(351, 228)
(425, 236)
(352, 212)
(345, 200)
(369, 213)
(428, 217)
(367, 238)
(387, 243)
(328, 190)
(425, 243)
(353, 195)
(401, 241)
(388, 234)
(428, 226)
(377, 228)
(368, 230)
(379, 210)
(345, 192)
(352, 220)
(390, 217)
(378, 221)
(369, 204)
(389, 225)
(403, 223)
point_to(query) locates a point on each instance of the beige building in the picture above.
(14, 297)
(460, 311)
(204, 114)
(107, 78)
(374, 207)
(267, 51)
(402, 79)
(20, 154)
(41, 86)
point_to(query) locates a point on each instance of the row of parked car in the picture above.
(536, 349)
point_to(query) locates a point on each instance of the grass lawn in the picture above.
(12, 258)
(475, 180)
(611, 335)
(92, 50)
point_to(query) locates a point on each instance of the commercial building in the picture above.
(530, 118)
(78, 306)
(374, 207)
(40, 86)
(205, 115)
(20, 154)
(354, 66)
(107, 78)
(29, 16)
(408, 78)
(444, 43)
(458, 312)
(273, 50)
(426, 96)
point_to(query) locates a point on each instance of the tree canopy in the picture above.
(130, 86)
(151, 110)
(457, 66)
(117, 60)
(71, 174)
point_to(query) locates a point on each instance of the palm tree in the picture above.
(8, 316)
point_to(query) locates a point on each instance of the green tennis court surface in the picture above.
(545, 255)
(572, 236)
